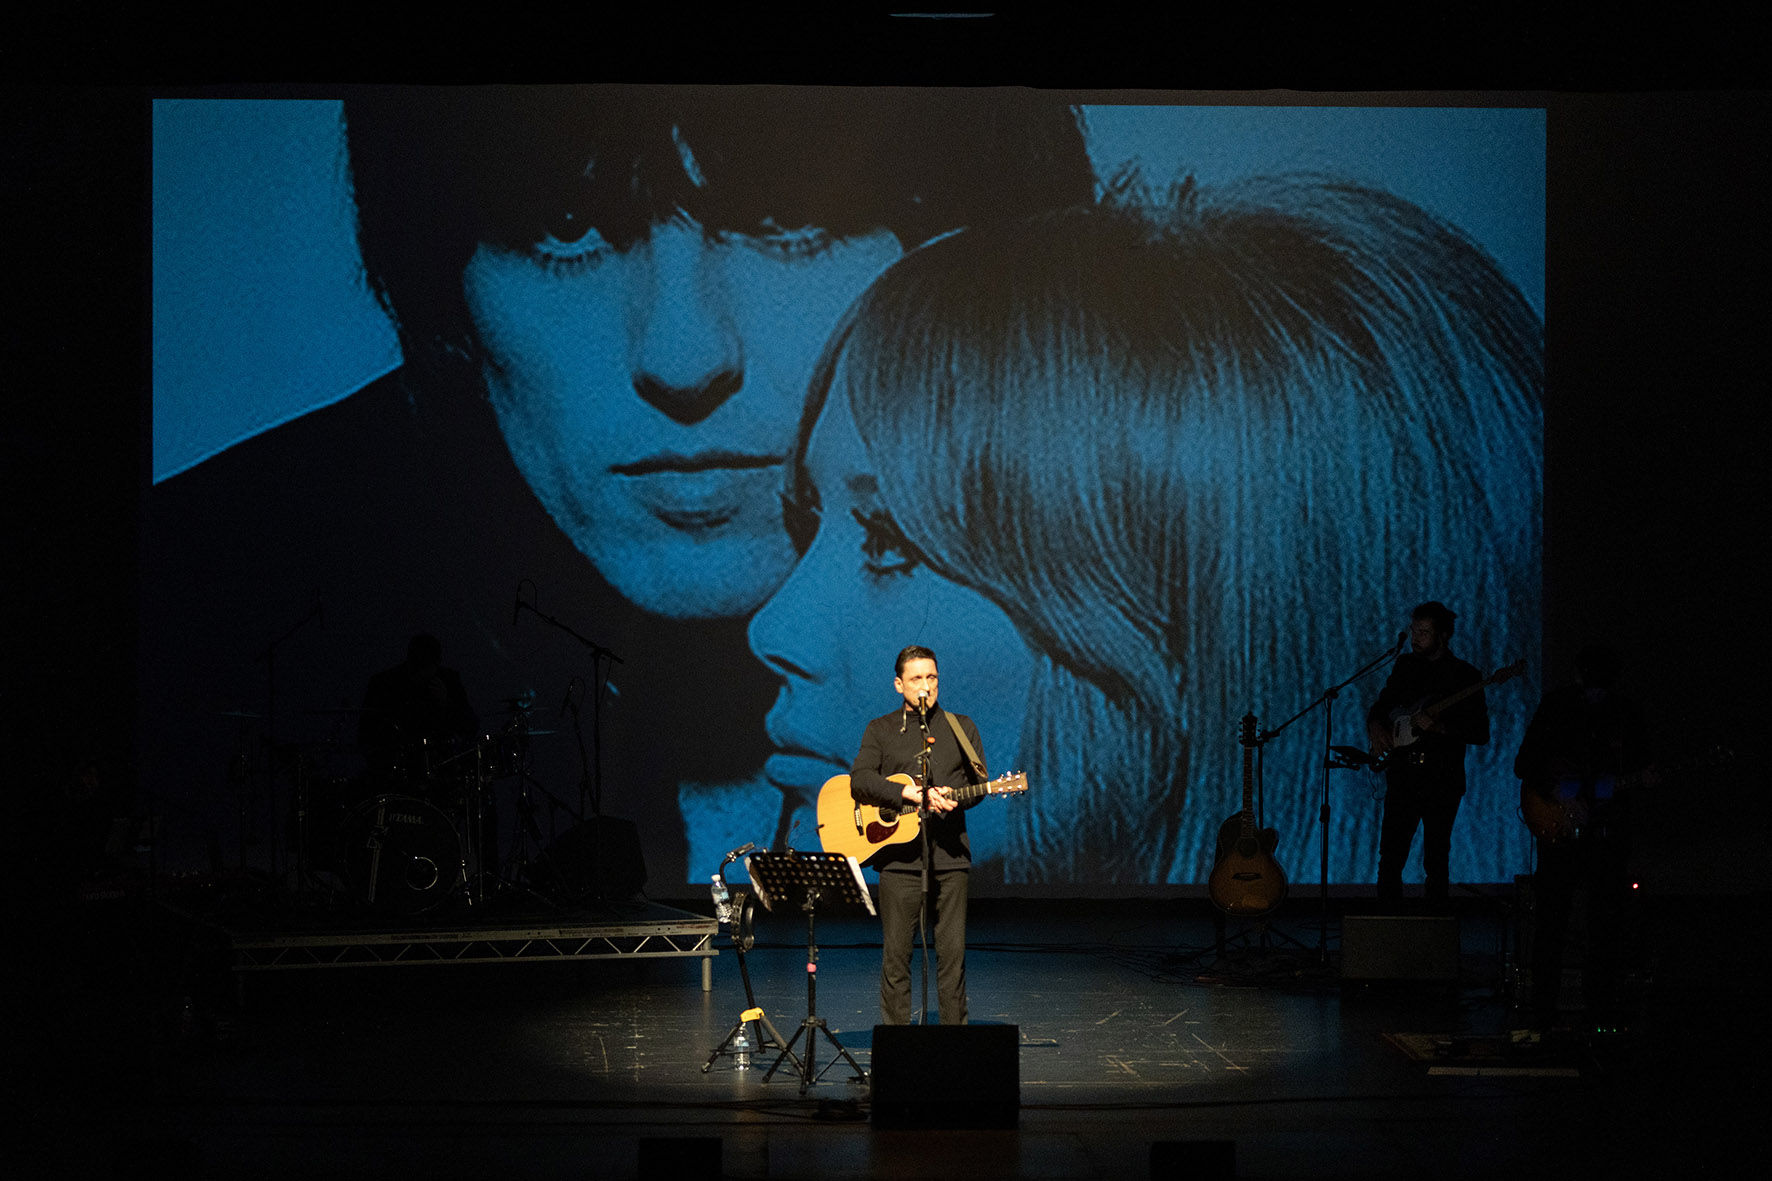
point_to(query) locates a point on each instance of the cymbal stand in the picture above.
(527, 845)
(474, 826)
(268, 657)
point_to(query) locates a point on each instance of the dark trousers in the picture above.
(1598, 864)
(1411, 801)
(901, 895)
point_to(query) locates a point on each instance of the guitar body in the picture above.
(1553, 817)
(860, 830)
(854, 829)
(1247, 881)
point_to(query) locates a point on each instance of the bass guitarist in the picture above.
(1423, 752)
(892, 745)
(1586, 748)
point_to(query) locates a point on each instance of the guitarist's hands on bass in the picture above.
(1378, 740)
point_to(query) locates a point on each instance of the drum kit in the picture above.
(411, 825)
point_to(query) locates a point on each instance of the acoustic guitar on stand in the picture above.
(1247, 881)
(858, 830)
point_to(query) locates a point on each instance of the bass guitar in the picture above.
(1406, 722)
(858, 830)
(1557, 808)
(1247, 881)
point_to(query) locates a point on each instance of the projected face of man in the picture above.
(650, 392)
(859, 593)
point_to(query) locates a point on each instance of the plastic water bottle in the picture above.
(741, 1050)
(722, 900)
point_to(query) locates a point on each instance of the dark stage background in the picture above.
(1654, 485)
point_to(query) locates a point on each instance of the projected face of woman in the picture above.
(858, 596)
(650, 395)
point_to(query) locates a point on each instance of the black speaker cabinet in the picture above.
(947, 1076)
(596, 859)
(1399, 947)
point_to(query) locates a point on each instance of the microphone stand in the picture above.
(1327, 701)
(923, 817)
(598, 654)
(590, 786)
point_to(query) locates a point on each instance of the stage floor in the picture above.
(1135, 1036)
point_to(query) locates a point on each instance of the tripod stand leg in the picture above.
(860, 1074)
(760, 1044)
(786, 1055)
(724, 1047)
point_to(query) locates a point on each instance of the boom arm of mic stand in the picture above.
(596, 648)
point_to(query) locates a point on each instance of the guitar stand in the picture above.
(738, 1045)
(815, 879)
(1261, 930)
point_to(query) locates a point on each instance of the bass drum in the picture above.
(401, 855)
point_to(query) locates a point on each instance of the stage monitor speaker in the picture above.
(947, 1076)
(1399, 947)
(681, 1156)
(597, 859)
(1197, 1160)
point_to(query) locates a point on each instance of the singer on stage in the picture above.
(890, 746)
(1424, 780)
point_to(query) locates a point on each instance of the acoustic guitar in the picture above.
(858, 830)
(1247, 881)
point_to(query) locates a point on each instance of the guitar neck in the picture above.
(973, 791)
(1499, 675)
(1248, 776)
(1457, 697)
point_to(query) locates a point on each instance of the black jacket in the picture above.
(1416, 682)
(889, 746)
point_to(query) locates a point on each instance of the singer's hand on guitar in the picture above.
(939, 799)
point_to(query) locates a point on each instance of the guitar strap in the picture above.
(972, 759)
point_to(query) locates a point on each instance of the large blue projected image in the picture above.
(710, 400)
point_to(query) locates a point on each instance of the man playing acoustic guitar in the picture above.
(1423, 749)
(892, 745)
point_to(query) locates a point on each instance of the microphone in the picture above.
(923, 707)
(741, 851)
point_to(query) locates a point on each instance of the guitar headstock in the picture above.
(1246, 734)
(1511, 671)
(1008, 784)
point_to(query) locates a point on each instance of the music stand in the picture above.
(813, 880)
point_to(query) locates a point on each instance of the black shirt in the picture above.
(889, 746)
(1417, 682)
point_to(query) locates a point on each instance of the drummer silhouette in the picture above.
(415, 714)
